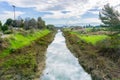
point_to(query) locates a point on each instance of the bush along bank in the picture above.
(26, 62)
(100, 67)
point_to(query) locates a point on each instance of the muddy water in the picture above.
(61, 64)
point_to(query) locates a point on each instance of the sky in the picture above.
(57, 12)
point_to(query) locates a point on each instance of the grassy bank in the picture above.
(88, 51)
(27, 61)
(92, 39)
(17, 41)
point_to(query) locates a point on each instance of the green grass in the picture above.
(67, 29)
(20, 60)
(18, 41)
(92, 39)
(88, 29)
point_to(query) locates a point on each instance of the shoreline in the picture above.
(100, 68)
(33, 57)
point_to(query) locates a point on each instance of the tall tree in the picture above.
(19, 22)
(32, 23)
(41, 23)
(26, 23)
(110, 17)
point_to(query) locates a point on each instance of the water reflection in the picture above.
(61, 64)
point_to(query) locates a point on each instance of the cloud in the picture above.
(76, 8)
(85, 21)
(9, 14)
(91, 20)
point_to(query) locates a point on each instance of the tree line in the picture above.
(27, 23)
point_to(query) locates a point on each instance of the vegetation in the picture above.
(92, 39)
(28, 23)
(4, 28)
(22, 48)
(110, 17)
(96, 58)
(98, 48)
(18, 40)
(0, 25)
(27, 62)
(40, 23)
(51, 27)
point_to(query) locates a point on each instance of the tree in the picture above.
(9, 22)
(14, 23)
(4, 28)
(41, 23)
(32, 23)
(19, 22)
(0, 25)
(26, 23)
(51, 27)
(110, 17)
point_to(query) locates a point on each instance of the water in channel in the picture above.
(61, 64)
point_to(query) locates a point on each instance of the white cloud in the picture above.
(76, 7)
(85, 21)
(94, 12)
(9, 14)
(91, 20)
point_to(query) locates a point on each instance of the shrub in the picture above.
(7, 32)
(18, 41)
(93, 29)
(27, 60)
(4, 28)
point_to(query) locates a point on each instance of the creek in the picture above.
(61, 64)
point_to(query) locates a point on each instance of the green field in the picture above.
(18, 40)
(92, 39)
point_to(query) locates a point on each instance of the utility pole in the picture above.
(14, 10)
